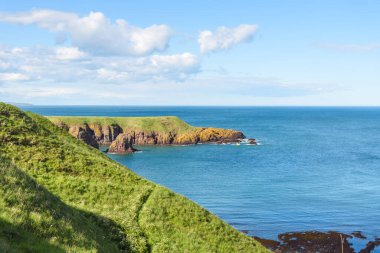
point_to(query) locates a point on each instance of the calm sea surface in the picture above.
(317, 168)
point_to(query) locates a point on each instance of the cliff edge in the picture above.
(168, 130)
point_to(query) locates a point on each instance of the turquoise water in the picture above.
(317, 168)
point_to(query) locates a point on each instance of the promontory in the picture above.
(123, 132)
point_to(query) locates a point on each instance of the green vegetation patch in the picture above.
(164, 124)
(34, 220)
(102, 205)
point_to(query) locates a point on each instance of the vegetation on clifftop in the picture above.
(164, 124)
(58, 194)
(143, 130)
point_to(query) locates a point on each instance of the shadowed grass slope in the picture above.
(146, 217)
(33, 219)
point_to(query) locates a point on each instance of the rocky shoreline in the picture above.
(315, 241)
(165, 131)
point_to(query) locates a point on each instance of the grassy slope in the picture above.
(31, 218)
(146, 217)
(164, 124)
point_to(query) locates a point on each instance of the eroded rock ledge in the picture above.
(322, 242)
(169, 130)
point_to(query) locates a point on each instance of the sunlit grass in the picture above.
(102, 206)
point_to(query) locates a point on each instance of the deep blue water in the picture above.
(317, 168)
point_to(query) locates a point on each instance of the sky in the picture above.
(294, 52)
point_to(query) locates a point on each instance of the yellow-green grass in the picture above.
(108, 208)
(34, 220)
(161, 124)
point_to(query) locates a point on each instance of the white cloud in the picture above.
(175, 67)
(64, 64)
(13, 77)
(178, 66)
(69, 53)
(224, 38)
(95, 32)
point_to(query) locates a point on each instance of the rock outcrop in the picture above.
(105, 135)
(122, 145)
(84, 134)
(97, 131)
(207, 135)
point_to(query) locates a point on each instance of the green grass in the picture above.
(163, 124)
(31, 218)
(103, 206)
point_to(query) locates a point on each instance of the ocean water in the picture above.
(317, 168)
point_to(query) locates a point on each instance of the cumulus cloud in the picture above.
(96, 33)
(69, 53)
(65, 64)
(224, 37)
(179, 65)
(175, 67)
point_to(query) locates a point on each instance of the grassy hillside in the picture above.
(163, 124)
(31, 218)
(94, 196)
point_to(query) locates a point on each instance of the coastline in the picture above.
(122, 133)
(322, 242)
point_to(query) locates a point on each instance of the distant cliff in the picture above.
(166, 130)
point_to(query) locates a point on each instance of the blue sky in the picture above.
(190, 53)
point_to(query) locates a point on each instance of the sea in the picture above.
(315, 168)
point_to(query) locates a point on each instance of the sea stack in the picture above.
(122, 145)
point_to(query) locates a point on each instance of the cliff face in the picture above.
(206, 135)
(84, 134)
(143, 131)
(122, 145)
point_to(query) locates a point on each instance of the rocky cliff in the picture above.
(142, 131)
(122, 145)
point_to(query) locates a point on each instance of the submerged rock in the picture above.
(122, 145)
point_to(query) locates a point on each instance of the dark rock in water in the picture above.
(122, 145)
(358, 234)
(84, 134)
(371, 246)
(312, 241)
